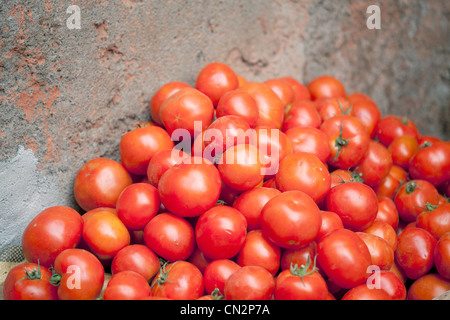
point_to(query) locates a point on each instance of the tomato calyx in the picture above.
(340, 141)
(34, 274)
(302, 271)
(216, 294)
(430, 207)
(163, 274)
(411, 187)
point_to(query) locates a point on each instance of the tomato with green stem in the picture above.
(435, 219)
(391, 126)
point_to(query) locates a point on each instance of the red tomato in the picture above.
(387, 212)
(190, 188)
(340, 176)
(380, 250)
(415, 251)
(137, 258)
(170, 236)
(249, 283)
(428, 287)
(402, 149)
(344, 258)
(330, 107)
(199, 260)
(389, 185)
(426, 141)
(348, 140)
(436, 220)
(52, 231)
(241, 167)
(300, 91)
(363, 292)
(81, 275)
(257, 250)
(355, 203)
(442, 256)
(358, 96)
(412, 197)
(391, 127)
(301, 113)
(161, 95)
(367, 112)
(309, 140)
(127, 285)
(298, 256)
(220, 232)
(326, 87)
(432, 163)
(330, 221)
(270, 107)
(375, 164)
(282, 89)
(392, 284)
(179, 280)
(215, 79)
(217, 273)
(291, 219)
(29, 281)
(304, 172)
(187, 109)
(251, 202)
(138, 146)
(105, 235)
(385, 231)
(137, 205)
(162, 161)
(297, 283)
(238, 103)
(242, 80)
(99, 183)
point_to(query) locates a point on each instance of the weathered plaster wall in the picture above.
(67, 95)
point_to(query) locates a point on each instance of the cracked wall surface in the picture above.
(68, 95)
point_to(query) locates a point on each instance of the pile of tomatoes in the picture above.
(244, 190)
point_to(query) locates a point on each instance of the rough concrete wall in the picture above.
(68, 95)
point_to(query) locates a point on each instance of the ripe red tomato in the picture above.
(282, 89)
(138, 146)
(127, 285)
(412, 197)
(291, 219)
(81, 275)
(330, 107)
(99, 183)
(380, 250)
(301, 113)
(309, 140)
(249, 283)
(170, 236)
(179, 280)
(330, 221)
(428, 287)
(138, 258)
(52, 231)
(442, 256)
(415, 252)
(161, 95)
(391, 283)
(432, 163)
(298, 256)
(215, 79)
(217, 273)
(389, 185)
(340, 176)
(238, 103)
(390, 127)
(251, 202)
(366, 110)
(326, 87)
(363, 292)
(190, 188)
(387, 212)
(348, 140)
(220, 232)
(375, 164)
(355, 203)
(137, 205)
(402, 149)
(304, 172)
(300, 91)
(257, 250)
(435, 219)
(344, 258)
(162, 161)
(385, 231)
(187, 109)
(29, 281)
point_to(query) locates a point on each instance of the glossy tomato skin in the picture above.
(391, 127)
(380, 250)
(385, 231)
(170, 236)
(428, 287)
(162, 161)
(217, 273)
(99, 183)
(127, 285)
(387, 212)
(442, 256)
(238, 103)
(330, 221)
(301, 114)
(432, 163)
(82, 275)
(220, 232)
(298, 256)
(138, 146)
(249, 283)
(18, 286)
(137, 205)
(326, 87)
(363, 292)
(402, 149)
(138, 258)
(184, 198)
(392, 284)
(415, 252)
(180, 280)
(215, 79)
(330, 107)
(161, 95)
(283, 90)
(49, 233)
(355, 203)
(344, 258)
(300, 91)
(304, 172)
(436, 220)
(367, 111)
(291, 220)
(394, 179)
(289, 286)
(310, 140)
